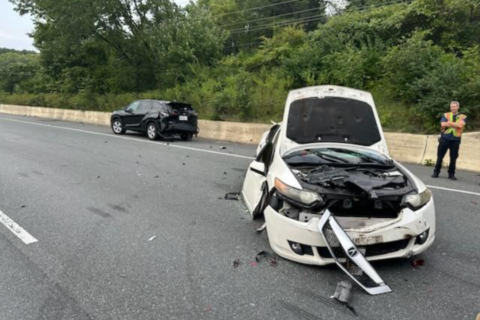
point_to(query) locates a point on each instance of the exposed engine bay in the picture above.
(350, 191)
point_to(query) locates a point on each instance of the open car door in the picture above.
(255, 189)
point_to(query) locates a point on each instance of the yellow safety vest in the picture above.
(457, 132)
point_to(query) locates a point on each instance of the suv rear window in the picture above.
(180, 106)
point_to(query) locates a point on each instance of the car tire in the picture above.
(152, 131)
(117, 126)
(187, 136)
(262, 204)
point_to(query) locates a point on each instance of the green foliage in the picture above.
(232, 62)
(429, 163)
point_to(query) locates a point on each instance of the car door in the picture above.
(137, 114)
(255, 179)
(129, 117)
(141, 113)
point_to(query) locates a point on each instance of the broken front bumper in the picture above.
(386, 240)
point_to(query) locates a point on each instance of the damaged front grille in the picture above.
(372, 250)
(348, 257)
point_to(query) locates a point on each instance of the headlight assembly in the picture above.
(305, 198)
(416, 201)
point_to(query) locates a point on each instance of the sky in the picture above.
(14, 28)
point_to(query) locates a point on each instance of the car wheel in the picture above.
(152, 132)
(117, 127)
(262, 204)
(187, 136)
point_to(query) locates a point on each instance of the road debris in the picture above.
(263, 227)
(152, 238)
(208, 309)
(156, 177)
(236, 263)
(418, 263)
(183, 163)
(224, 172)
(23, 206)
(253, 264)
(232, 196)
(273, 261)
(223, 148)
(343, 292)
(98, 177)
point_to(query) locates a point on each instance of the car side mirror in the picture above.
(128, 110)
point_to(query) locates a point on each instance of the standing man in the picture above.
(452, 125)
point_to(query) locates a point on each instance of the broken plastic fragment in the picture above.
(260, 255)
(236, 263)
(273, 261)
(232, 196)
(223, 148)
(152, 238)
(343, 291)
(418, 263)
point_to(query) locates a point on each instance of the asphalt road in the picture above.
(94, 202)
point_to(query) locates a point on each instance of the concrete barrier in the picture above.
(403, 147)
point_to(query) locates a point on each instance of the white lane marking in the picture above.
(182, 147)
(454, 190)
(132, 139)
(16, 229)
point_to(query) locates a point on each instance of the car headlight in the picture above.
(416, 201)
(304, 197)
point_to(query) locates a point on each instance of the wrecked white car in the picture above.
(330, 192)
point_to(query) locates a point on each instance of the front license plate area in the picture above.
(367, 240)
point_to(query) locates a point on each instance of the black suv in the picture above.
(157, 119)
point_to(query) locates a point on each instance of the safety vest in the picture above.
(456, 132)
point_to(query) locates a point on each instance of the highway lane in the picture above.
(93, 200)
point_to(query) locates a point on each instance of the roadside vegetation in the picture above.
(235, 60)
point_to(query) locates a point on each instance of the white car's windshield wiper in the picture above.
(326, 156)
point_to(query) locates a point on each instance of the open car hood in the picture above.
(331, 114)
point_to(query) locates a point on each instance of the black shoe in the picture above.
(452, 177)
(435, 175)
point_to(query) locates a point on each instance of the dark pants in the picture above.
(443, 146)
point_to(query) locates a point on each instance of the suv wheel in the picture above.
(117, 127)
(152, 131)
(187, 136)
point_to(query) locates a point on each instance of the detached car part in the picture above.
(345, 252)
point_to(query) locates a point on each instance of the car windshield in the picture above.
(335, 156)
